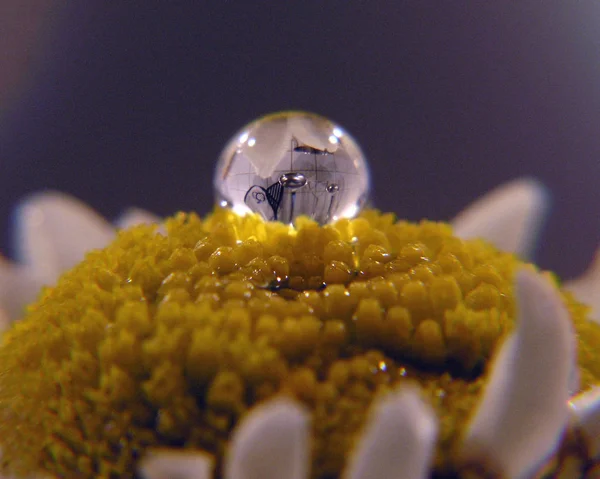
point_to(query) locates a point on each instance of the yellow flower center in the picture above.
(168, 340)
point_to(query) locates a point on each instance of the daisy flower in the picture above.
(210, 347)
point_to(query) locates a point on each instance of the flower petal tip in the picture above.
(54, 231)
(586, 287)
(510, 216)
(398, 441)
(585, 415)
(270, 443)
(167, 464)
(520, 420)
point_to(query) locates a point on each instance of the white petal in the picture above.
(398, 442)
(585, 411)
(136, 216)
(176, 465)
(586, 288)
(54, 231)
(267, 145)
(524, 408)
(311, 132)
(510, 217)
(271, 443)
(19, 286)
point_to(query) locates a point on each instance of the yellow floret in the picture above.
(168, 340)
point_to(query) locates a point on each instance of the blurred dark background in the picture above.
(129, 103)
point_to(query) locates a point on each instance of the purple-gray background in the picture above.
(129, 103)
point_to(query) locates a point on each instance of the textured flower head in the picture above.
(370, 348)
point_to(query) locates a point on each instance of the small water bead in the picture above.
(337, 272)
(291, 164)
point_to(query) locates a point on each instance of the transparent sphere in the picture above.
(291, 164)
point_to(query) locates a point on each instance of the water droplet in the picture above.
(292, 181)
(289, 164)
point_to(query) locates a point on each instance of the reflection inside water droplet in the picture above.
(285, 165)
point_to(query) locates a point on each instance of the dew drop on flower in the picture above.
(290, 164)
